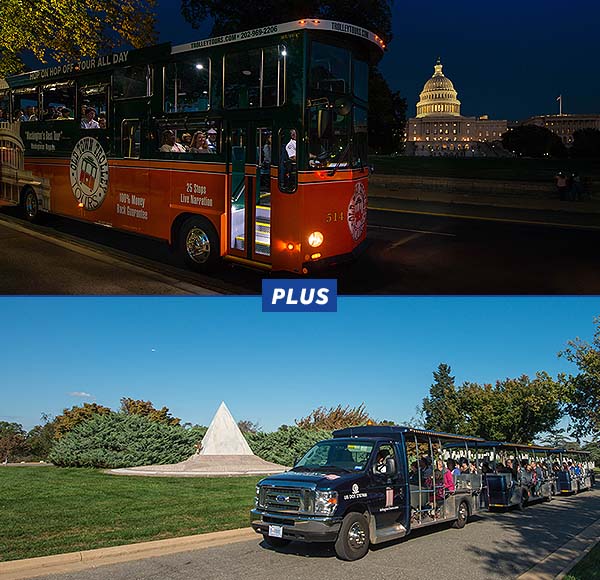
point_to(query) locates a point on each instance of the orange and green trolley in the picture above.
(249, 147)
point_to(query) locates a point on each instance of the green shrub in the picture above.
(119, 440)
(286, 444)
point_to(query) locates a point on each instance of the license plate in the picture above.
(276, 531)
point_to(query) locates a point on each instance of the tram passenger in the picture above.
(451, 464)
(89, 122)
(199, 143)
(102, 120)
(212, 140)
(186, 140)
(290, 148)
(448, 480)
(65, 114)
(169, 143)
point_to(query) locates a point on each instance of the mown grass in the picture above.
(46, 510)
(505, 169)
(588, 568)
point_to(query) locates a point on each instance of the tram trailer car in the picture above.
(338, 492)
(576, 479)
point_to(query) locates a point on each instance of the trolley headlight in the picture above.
(325, 502)
(315, 239)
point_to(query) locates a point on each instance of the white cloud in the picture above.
(153, 349)
(81, 394)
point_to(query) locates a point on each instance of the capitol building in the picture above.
(440, 130)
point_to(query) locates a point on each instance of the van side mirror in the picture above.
(390, 466)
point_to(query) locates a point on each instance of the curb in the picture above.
(559, 563)
(77, 561)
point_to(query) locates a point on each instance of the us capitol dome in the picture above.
(438, 96)
(440, 130)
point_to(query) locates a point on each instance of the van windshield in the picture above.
(335, 455)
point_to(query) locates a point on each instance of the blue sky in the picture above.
(510, 60)
(189, 354)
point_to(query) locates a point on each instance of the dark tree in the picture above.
(533, 141)
(586, 144)
(440, 408)
(375, 15)
(387, 115)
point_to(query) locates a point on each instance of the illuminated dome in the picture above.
(438, 97)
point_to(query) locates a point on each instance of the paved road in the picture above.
(408, 253)
(493, 546)
(33, 265)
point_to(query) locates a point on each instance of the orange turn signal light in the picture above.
(290, 247)
(80, 204)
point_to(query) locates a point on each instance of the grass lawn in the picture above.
(505, 169)
(588, 568)
(47, 510)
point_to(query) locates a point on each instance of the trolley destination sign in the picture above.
(315, 24)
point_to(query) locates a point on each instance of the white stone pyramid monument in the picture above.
(224, 451)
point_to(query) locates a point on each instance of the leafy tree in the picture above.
(285, 445)
(583, 389)
(146, 408)
(594, 448)
(514, 410)
(533, 141)
(335, 418)
(69, 29)
(247, 426)
(440, 409)
(586, 144)
(119, 440)
(12, 440)
(76, 415)
(40, 439)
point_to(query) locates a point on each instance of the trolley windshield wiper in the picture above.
(342, 156)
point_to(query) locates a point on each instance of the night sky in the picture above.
(508, 59)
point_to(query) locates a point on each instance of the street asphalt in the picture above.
(492, 546)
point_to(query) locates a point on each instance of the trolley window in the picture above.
(132, 81)
(329, 68)
(187, 86)
(25, 104)
(95, 97)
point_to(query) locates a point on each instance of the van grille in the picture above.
(283, 499)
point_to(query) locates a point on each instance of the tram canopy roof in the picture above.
(396, 432)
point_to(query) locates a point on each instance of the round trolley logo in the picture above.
(89, 173)
(357, 212)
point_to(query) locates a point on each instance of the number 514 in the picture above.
(334, 216)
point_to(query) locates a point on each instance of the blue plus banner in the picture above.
(299, 295)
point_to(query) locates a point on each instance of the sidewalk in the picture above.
(384, 193)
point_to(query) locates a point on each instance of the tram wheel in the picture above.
(275, 542)
(462, 516)
(353, 540)
(198, 244)
(30, 205)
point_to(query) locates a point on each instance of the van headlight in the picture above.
(325, 502)
(257, 497)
